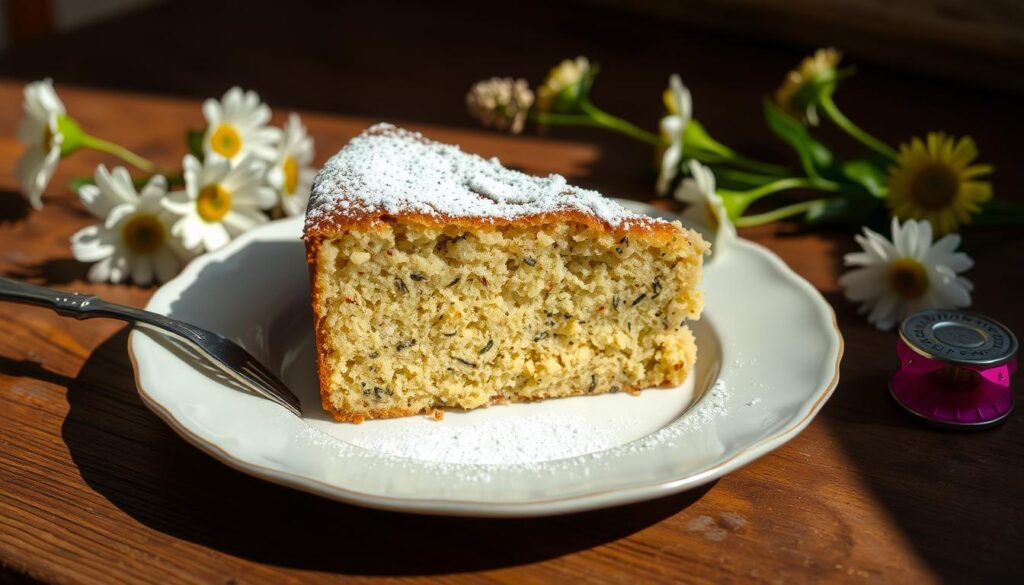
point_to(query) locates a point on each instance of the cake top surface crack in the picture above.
(390, 171)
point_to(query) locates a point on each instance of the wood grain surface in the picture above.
(96, 489)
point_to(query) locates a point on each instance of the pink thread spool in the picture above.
(955, 369)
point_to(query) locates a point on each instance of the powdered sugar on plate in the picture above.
(391, 170)
(514, 440)
(525, 442)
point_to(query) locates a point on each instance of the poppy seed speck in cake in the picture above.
(442, 280)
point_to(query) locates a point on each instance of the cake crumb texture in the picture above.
(414, 318)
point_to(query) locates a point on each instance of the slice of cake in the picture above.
(444, 280)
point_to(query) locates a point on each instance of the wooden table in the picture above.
(95, 488)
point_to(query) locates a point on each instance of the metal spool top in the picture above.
(959, 337)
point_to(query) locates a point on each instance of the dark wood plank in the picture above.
(94, 488)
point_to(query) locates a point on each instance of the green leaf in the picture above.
(815, 158)
(194, 140)
(868, 175)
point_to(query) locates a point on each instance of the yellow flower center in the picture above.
(712, 215)
(47, 138)
(144, 234)
(908, 278)
(291, 175)
(226, 141)
(669, 99)
(213, 203)
(934, 186)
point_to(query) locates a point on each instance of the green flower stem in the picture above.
(719, 153)
(779, 213)
(707, 151)
(757, 166)
(547, 119)
(839, 119)
(727, 174)
(122, 153)
(611, 122)
(608, 123)
(737, 202)
(701, 146)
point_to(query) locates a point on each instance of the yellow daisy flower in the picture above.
(935, 180)
(793, 96)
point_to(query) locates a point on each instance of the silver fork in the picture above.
(223, 353)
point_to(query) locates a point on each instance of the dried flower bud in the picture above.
(500, 102)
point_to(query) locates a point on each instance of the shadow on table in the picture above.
(132, 458)
(13, 207)
(52, 271)
(944, 489)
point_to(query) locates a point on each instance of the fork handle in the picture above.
(64, 303)
(82, 306)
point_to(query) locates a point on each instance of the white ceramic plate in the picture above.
(769, 352)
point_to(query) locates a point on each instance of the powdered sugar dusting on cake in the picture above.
(390, 170)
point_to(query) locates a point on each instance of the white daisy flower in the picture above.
(237, 127)
(673, 127)
(291, 174)
(133, 240)
(706, 207)
(906, 275)
(39, 131)
(220, 201)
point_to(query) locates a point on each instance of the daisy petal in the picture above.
(294, 205)
(885, 314)
(858, 259)
(189, 230)
(31, 173)
(166, 264)
(863, 284)
(100, 271)
(214, 237)
(118, 268)
(212, 112)
(142, 270)
(153, 192)
(669, 167)
(91, 244)
(178, 203)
